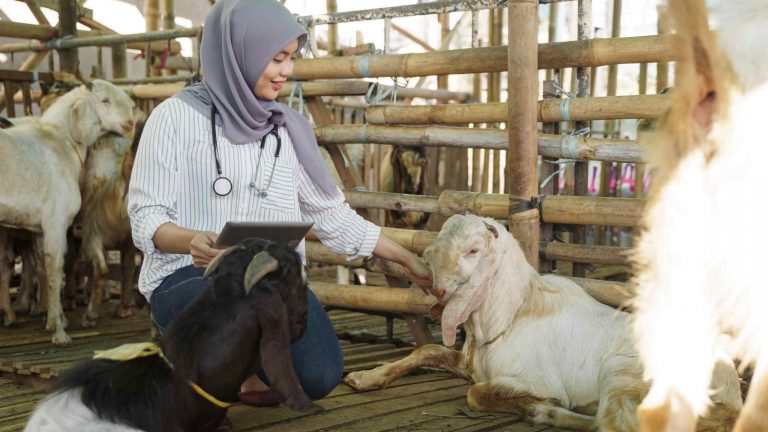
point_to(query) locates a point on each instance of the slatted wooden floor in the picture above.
(427, 401)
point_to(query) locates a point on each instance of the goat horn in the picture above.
(492, 229)
(214, 264)
(79, 76)
(261, 265)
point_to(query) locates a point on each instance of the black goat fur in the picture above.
(224, 336)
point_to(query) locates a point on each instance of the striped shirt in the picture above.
(172, 181)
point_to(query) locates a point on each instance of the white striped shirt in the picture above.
(172, 181)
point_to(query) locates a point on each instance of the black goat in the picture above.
(243, 323)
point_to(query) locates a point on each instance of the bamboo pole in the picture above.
(438, 7)
(404, 300)
(555, 209)
(583, 74)
(157, 47)
(582, 53)
(584, 148)
(359, 49)
(333, 33)
(548, 166)
(548, 111)
(495, 27)
(585, 254)
(103, 40)
(522, 155)
(68, 59)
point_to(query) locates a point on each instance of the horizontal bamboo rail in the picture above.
(560, 209)
(13, 29)
(317, 252)
(413, 300)
(579, 109)
(165, 87)
(580, 253)
(585, 148)
(589, 53)
(103, 40)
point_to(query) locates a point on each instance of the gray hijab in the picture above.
(240, 38)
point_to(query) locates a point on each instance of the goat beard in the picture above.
(458, 309)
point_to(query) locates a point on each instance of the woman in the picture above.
(262, 165)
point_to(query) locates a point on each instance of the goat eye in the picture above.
(473, 251)
(105, 101)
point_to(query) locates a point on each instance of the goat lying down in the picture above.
(700, 261)
(41, 162)
(539, 347)
(245, 321)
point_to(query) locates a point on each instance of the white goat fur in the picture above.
(700, 272)
(541, 347)
(40, 167)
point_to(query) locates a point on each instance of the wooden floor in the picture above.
(427, 401)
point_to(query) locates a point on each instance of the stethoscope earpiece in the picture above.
(222, 186)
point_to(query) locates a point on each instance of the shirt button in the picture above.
(252, 185)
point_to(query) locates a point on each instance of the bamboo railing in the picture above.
(578, 148)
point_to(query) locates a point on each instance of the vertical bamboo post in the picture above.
(477, 160)
(333, 31)
(640, 167)
(522, 155)
(552, 32)
(497, 25)
(582, 168)
(662, 69)
(168, 11)
(67, 27)
(548, 169)
(152, 18)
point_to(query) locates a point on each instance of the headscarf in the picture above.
(240, 38)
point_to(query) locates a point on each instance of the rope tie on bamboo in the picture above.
(298, 92)
(568, 143)
(362, 133)
(522, 205)
(55, 43)
(362, 64)
(565, 103)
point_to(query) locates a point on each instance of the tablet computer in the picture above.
(286, 232)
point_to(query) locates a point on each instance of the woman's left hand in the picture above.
(418, 272)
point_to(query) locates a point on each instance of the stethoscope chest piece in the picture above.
(222, 186)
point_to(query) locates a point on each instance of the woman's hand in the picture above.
(419, 273)
(201, 248)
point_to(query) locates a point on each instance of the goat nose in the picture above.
(438, 292)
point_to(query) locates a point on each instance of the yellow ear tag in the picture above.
(129, 351)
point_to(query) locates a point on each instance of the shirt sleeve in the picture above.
(337, 225)
(153, 190)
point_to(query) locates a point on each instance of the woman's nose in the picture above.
(287, 69)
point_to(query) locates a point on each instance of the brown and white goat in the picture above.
(243, 323)
(538, 347)
(104, 219)
(41, 163)
(700, 259)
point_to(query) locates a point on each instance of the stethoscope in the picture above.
(222, 186)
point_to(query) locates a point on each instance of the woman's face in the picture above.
(277, 72)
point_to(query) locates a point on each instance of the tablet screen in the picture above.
(286, 232)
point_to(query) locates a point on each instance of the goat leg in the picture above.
(54, 246)
(6, 271)
(427, 355)
(510, 395)
(94, 303)
(128, 264)
(27, 287)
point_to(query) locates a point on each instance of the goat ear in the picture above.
(492, 229)
(261, 265)
(275, 352)
(214, 264)
(81, 116)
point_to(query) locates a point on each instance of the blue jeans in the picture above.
(317, 356)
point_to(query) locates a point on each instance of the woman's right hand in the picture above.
(201, 248)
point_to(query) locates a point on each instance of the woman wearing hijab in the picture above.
(262, 165)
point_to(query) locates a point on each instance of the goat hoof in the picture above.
(35, 311)
(68, 304)
(362, 380)
(21, 308)
(61, 338)
(9, 317)
(123, 311)
(88, 321)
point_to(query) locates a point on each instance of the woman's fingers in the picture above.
(202, 250)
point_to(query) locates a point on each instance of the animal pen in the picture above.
(546, 137)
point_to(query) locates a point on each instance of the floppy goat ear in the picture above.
(275, 340)
(83, 121)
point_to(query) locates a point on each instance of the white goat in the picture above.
(700, 260)
(539, 347)
(41, 163)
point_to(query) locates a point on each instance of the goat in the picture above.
(104, 218)
(407, 172)
(699, 272)
(539, 347)
(41, 163)
(244, 322)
